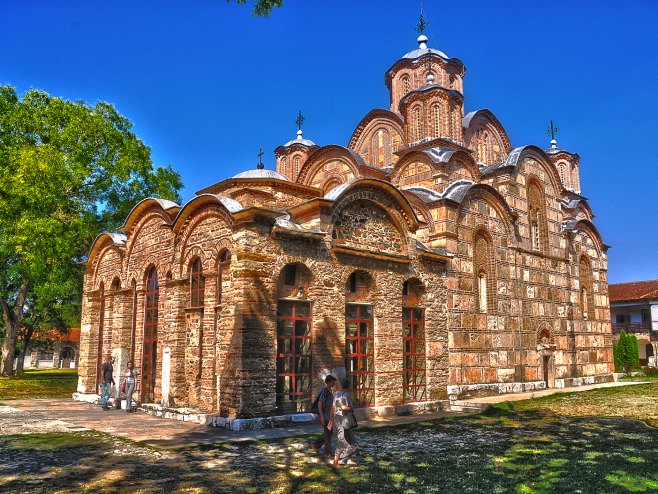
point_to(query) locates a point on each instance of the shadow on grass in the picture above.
(499, 451)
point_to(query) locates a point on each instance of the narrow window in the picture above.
(293, 363)
(482, 291)
(297, 161)
(405, 85)
(222, 268)
(583, 297)
(289, 275)
(413, 327)
(150, 344)
(537, 217)
(197, 284)
(534, 233)
(418, 119)
(351, 283)
(134, 321)
(437, 121)
(586, 290)
(380, 146)
(101, 324)
(360, 353)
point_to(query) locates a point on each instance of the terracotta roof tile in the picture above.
(635, 290)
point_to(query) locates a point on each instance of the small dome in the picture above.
(261, 174)
(424, 51)
(300, 140)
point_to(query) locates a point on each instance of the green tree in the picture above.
(262, 8)
(626, 353)
(68, 171)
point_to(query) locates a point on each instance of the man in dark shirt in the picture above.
(107, 380)
(325, 401)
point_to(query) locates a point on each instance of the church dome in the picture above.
(261, 174)
(300, 140)
(423, 50)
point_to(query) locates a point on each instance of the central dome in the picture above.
(261, 174)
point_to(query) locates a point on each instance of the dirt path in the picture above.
(61, 415)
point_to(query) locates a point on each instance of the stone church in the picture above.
(428, 259)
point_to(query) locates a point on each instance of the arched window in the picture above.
(284, 165)
(222, 270)
(359, 339)
(418, 122)
(413, 342)
(297, 161)
(293, 350)
(537, 217)
(101, 330)
(134, 321)
(150, 344)
(405, 85)
(380, 147)
(436, 114)
(451, 80)
(586, 289)
(485, 273)
(561, 168)
(197, 284)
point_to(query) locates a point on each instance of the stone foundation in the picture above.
(466, 391)
(572, 382)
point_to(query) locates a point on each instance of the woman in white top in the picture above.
(131, 381)
(346, 446)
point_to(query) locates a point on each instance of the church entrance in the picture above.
(149, 358)
(545, 361)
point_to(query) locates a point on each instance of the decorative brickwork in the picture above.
(427, 256)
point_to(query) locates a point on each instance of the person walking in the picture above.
(344, 423)
(131, 381)
(107, 380)
(325, 401)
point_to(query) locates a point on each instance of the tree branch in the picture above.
(20, 302)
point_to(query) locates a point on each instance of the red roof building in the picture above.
(634, 308)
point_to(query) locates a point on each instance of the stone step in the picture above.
(469, 407)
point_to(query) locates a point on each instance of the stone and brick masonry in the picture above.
(427, 260)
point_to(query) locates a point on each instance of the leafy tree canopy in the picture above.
(262, 8)
(68, 171)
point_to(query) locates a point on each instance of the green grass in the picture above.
(639, 402)
(43, 383)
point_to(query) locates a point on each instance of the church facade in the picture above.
(428, 258)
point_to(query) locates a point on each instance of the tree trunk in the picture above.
(12, 318)
(21, 355)
(8, 349)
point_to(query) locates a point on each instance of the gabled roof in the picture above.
(634, 290)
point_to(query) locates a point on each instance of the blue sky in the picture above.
(206, 84)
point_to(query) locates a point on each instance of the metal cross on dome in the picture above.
(260, 159)
(299, 121)
(422, 24)
(552, 130)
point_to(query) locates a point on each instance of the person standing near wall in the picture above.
(107, 380)
(325, 401)
(131, 382)
(344, 422)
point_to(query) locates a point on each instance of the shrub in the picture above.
(626, 352)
